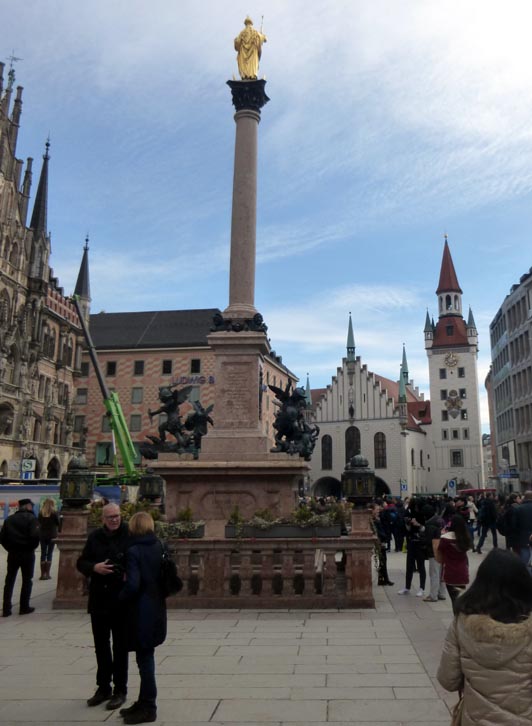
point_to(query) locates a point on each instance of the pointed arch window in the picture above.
(379, 443)
(13, 257)
(352, 442)
(326, 452)
(448, 303)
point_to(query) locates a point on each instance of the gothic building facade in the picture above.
(414, 446)
(40, 337)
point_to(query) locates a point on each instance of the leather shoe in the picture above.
(116, 700)
(130, 709)
(26, 611)
(143, 714)
(101, 695)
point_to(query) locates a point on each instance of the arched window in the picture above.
(326, 452)
(448, 302)
(7, 417)
(379, 442)
(352, 443)
(412, 459)
(5, 308)
(456, 305)
(13, 256)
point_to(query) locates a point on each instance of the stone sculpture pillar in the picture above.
(248, 99)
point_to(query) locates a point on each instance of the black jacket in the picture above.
(522, 520)
(101, 545)
(146, 606)
(20, 532)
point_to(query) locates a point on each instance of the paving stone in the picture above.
(239, 710)
(411, 711)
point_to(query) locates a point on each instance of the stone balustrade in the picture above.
(271, 573)
(303, 572)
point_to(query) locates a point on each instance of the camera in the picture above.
(118, 563)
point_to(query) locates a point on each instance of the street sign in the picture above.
(451, 484)
(29, 465)
(404, 487)
(27, 475)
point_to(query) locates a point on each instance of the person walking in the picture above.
(451, 552)
(49, 526)
(522, 520)
(146, 613)
(20, 537)
(487, 654)
(381, 546)
(416, 550)
(103, 562)
(487, 518)
(433, 531)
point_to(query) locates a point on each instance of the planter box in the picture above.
(198, 533)
(284, 531)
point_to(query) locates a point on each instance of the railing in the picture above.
(303, 572)
(292, 573)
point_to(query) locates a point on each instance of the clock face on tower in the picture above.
(451, 360)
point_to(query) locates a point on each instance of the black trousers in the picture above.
(415, 559)
(112, 663)
(25, 562)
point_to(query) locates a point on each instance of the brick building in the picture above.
(139, 352)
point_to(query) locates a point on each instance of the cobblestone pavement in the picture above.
(246, 667)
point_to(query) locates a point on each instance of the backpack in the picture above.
(169, 580)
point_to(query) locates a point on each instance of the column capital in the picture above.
(248, 94)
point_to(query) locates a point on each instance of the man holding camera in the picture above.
(103, 562)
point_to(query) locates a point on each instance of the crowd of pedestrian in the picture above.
(440, 531)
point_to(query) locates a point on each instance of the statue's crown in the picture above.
(248, 21)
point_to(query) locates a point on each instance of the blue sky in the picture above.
(389, 125)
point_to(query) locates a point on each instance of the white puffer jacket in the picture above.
(492, 663)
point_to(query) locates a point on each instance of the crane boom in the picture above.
(112, 405)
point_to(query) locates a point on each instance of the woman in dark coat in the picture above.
(146, 612)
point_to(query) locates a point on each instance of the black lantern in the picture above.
(358, 481)
(151, 486)
(77, 484)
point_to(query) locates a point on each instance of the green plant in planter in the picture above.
(185, 515)
(304, 517)
(127, 510)
(236, 517)
(184, 526)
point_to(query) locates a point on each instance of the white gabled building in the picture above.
(414, 446)
(384, 420)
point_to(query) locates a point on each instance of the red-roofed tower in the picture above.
(452, 350)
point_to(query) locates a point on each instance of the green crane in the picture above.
(114, 413)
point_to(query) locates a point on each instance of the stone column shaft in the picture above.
(244, 217)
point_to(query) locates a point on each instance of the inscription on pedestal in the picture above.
(238, 395)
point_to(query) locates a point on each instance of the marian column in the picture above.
(239, 341)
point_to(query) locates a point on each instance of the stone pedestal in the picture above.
(237, 434)
(71, 584)
(213, 489)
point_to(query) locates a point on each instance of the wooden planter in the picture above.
(286, 531)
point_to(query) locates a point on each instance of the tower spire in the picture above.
(350, 341)
(82, 289)
(448, 279)
(40, 209)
